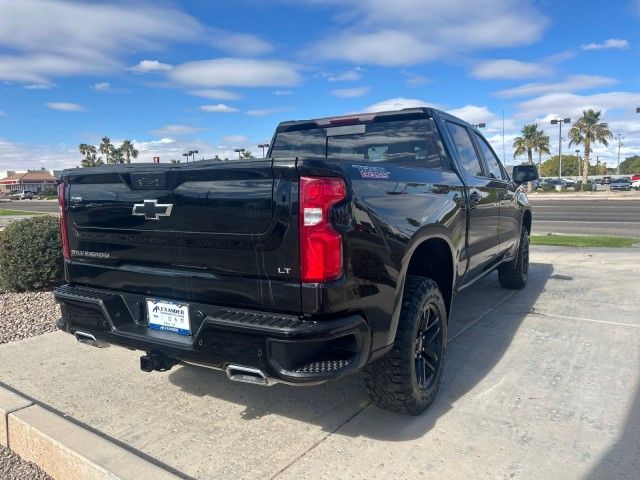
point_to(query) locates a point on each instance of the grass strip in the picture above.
(557, 240)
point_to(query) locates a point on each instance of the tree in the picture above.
(90, 155)
(570, 165)
(106, 148)
(246, 154)
(587, 130)
(116, 155)
(526, 143)
(530, 140)
(630, 165)
(173, 160)
(129, 151)
(541, 145)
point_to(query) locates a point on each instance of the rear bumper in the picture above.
(286, 348)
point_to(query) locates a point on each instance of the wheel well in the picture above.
(526, 220)
(433, 259)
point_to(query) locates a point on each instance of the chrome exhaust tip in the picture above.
(238, 373)
(89, 339)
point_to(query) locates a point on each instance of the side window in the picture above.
(466, 151)
(490, 159)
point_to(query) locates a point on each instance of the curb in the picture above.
(64, 449)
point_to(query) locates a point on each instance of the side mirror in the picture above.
(525, 173)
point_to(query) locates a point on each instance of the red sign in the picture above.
(156, 159)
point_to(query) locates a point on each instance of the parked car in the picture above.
(569, 183)
(636, 184)
(21, 195)
(555, 182)
(606, 180)
(342, 252)
(620, 184)
(635, 177)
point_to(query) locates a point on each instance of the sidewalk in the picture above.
(539, 383)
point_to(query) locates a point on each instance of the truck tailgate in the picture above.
(208, 231)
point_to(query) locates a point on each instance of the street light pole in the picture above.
(193, 152)
(560, 121)
(578, 156)
(619, 137)
(186, 155)
(263, 146)
(239, 151)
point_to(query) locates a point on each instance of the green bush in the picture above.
(548, 188)
(578, 186)
(30, 254)
(587, 187)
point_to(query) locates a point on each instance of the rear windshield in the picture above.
(411, 143)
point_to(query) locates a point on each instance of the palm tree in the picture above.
(90, 155)
(128, 150)
(541, 145)
(587, 130)
(527, 142)
(116, 155)
(106, 148)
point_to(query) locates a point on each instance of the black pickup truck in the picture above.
(341, 251)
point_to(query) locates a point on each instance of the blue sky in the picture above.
(174, 76)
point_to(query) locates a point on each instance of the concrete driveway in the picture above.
(540, 383)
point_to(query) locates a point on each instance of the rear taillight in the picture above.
(320, 243)
(64, 233)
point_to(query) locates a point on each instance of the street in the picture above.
(586, 216)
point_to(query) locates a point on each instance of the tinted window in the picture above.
(466, 152)
(489, 158)
(411, 143)
(299, 143)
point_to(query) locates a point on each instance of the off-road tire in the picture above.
(391, 381)
(514, 274)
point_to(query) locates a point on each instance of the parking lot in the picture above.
(539, 383)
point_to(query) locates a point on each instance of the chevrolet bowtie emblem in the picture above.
(152, 210)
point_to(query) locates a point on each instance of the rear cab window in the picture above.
(407, 143)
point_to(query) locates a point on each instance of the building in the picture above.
(34, 180)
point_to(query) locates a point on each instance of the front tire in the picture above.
(514, 274)
(407, 379)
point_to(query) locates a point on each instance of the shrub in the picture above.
(548, 188)
(30, 254)
(587, 187)
(578, 186)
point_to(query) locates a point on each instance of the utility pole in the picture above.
(619, 137)
(559, 122)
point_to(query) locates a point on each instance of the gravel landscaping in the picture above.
(12, 467)
(26, 314)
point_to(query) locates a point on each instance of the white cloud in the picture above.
(473, 114)
(170, 130)
(65, 106)
(282, 93)
(348, 76)
(612, 43)
(350, 92)
(232, 140)
(150, 66)
(415, 80)
(507, 69)
(573, 83)
(572, 105)
(240, 43)
(215, 94)
(101, 86)
(38, 86)
(236, 72)
(262, 112)
(219, 108)
(406, 32)
(397, 103)
(60, 38)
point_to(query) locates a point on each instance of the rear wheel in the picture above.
(514, 274)
(407, 378)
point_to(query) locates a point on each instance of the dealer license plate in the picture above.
(168, 316)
